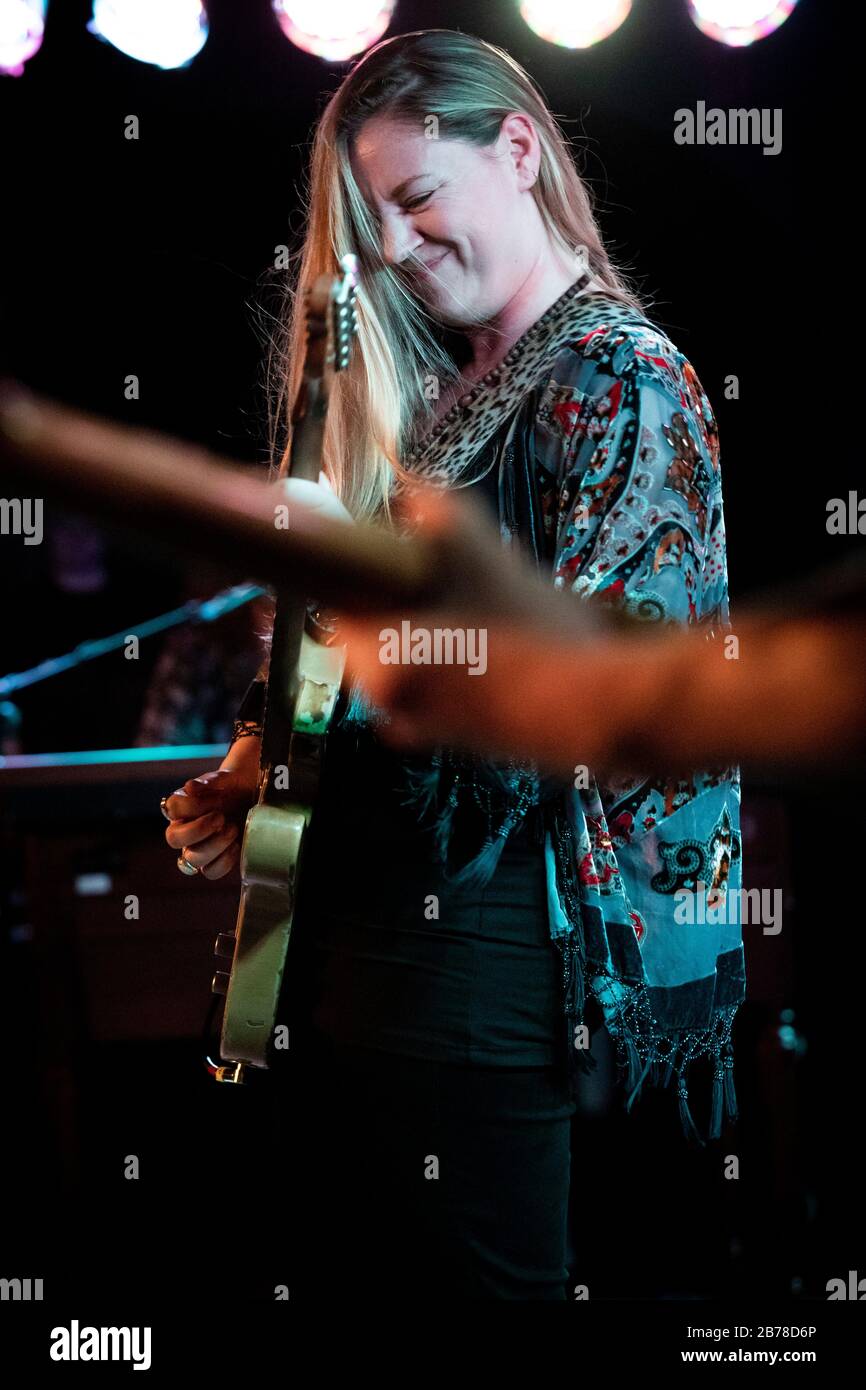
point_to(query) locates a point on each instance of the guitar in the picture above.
(302, 688)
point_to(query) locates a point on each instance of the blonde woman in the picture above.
(464, 924)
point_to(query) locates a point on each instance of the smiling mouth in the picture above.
(427, 269)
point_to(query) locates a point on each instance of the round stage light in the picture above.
(739, 22)
(574, 23)
(166, 33)
(334, 29)
(22, 24)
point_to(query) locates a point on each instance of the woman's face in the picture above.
(459, 222)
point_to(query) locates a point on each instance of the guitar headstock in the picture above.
(331, 319)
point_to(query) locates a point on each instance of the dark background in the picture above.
(155, 257)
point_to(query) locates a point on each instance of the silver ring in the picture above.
(162, 808)
(185, 867)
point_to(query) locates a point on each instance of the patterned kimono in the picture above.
(608, 453)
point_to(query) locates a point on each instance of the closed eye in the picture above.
(416, 202)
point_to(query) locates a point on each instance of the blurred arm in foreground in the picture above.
(565, 681)
(782, 694)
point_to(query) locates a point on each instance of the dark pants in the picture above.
(420, 1180)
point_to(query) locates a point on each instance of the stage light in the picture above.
(739, 22)
(574, 23)
(334, 29)
(22, 23)
(167, 33)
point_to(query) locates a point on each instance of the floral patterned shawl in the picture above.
(609, 473)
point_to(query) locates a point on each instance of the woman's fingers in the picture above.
(211, 792)
(181, 834)
(186, 804)
(175, 805)
(224, 862)
(207, 852)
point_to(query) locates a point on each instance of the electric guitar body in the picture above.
(303, 684)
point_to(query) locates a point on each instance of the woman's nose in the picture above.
(398, 240)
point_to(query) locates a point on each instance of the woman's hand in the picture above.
(207, 819)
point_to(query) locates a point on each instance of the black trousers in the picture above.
(422, 1181)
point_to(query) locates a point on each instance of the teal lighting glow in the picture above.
(93, 757)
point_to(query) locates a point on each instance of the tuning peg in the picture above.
(220, 982)
(225, 945)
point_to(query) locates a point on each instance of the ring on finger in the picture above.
(185, 866)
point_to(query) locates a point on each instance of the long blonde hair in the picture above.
(469, 86)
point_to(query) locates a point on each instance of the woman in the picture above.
(459, 919)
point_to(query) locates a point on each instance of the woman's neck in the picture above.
(493, 340)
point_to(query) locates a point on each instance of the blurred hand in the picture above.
(481, 584)
(318, 497)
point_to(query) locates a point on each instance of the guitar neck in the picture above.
(308, 428)
(308, 431)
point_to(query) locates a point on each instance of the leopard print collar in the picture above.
(444, 452)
